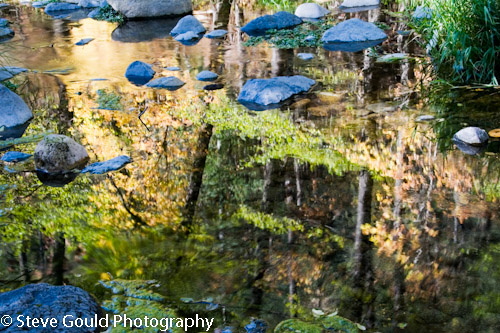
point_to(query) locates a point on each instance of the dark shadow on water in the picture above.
(143, 31)
(56, 179)
(14, 132)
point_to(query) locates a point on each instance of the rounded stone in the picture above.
(59, 153)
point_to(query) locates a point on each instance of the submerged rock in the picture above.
(15, 156)
(139, 73)
(305, 56)
(84, 41)
(207, 76)
(45, 301)
(214, 86)
(270, 92)
(59, 153)
(280, 20)
(114, 164)
(6, 33)
(352, 35)
(422, 12)
(311, 11)
(188, 23)
(4, 22)
(13, 111)
(220, 33)
(359, 3)
(170, 83)
(151, 8)
(8, 72)
(473, 136)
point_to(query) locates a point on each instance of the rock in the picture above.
(383, 107)
(171, 83)
(220, 33)
(310, 38)
(13, 111)
(173, 68)
(280, 20)
(186, 24)
(15, 156)
(425, 118)
(473, 136)
(422, 12)
(39, 4)
(268, 93)
(188, 38)
(8, 72)
(61, 6)
(4, 22)
(359, 3)
(84, 41)
(494, 133)
(392, 57)
(6, 33)
(305, 56)
(214, 86)
(151, 8)
(353, 30)
(45, 301)
(59, 153)
(94, 13)
(206, 76)
(107, 166)
(330, 97)
(311, 11)
(352, 35)
(139, 73)
(90, 3)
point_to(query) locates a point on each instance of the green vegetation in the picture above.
(463, 39)
(293, 38)
(108, 100)
(107, 13)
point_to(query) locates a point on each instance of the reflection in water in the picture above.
(322, 204)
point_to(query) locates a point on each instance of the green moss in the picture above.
(293, 38)
(107, 13)
(108, 100)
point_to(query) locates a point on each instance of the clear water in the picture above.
(384, 220)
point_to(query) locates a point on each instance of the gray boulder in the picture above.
(219, 33)
(188, 23)
(13, 111)
(473, 136)
(90, 3)
(280, 20)
(139, 73)
(207, 76)
(311, 11)
(113, 164)
(45, 301)
(263, 93)
(59, 153)
(353, 30)
(151, 8)
(170, 83)
(359, 3)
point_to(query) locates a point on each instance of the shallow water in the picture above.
(340, 200)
